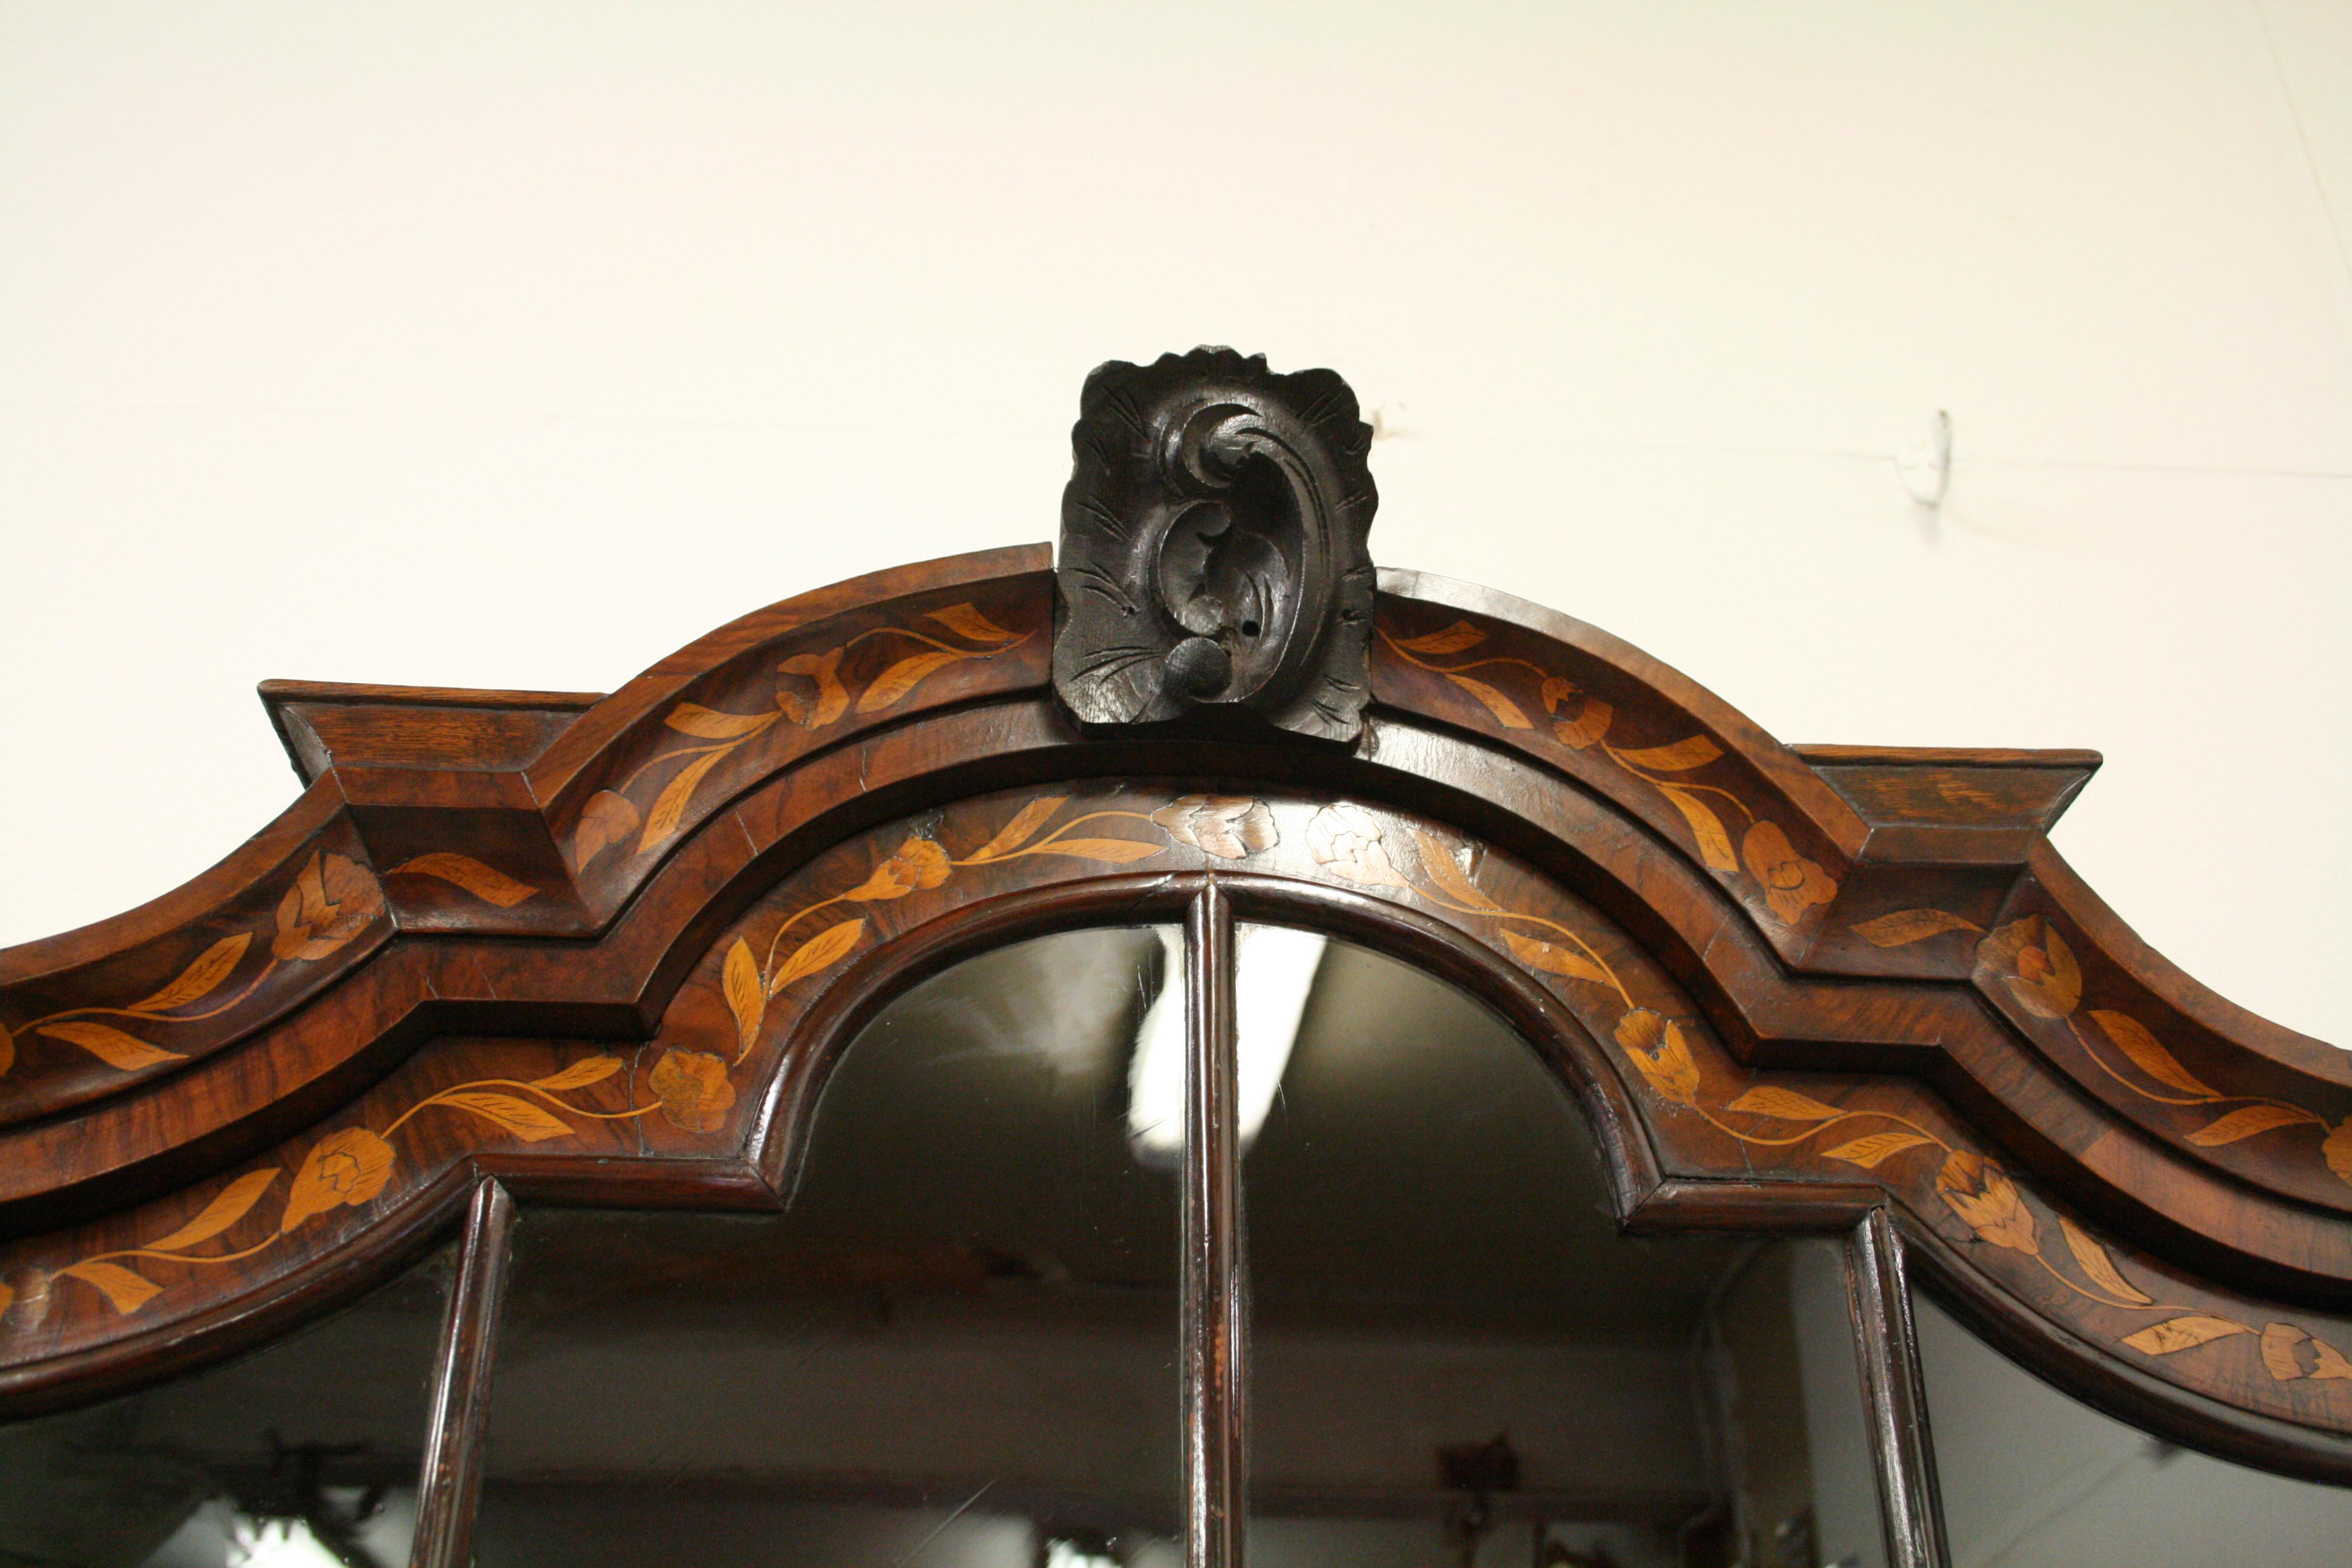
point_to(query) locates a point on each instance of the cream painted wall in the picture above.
(514, 345)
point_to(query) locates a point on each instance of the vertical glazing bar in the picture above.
(450, 1483)
(1887, 1350)
(1215, 1497)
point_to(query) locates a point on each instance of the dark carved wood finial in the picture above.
(1212, 548)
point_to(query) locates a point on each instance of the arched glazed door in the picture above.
(1188, 1172)
(546, 954)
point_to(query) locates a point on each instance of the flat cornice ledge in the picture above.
(329, 724)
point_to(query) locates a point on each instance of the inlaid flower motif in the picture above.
(831, 698)
(2034, 962)
(2337, 1149)
(693, 1089)
(1657, 1045)
(1792, 884)
(917, 863)
(1345, 841)
(1579, 717)
(2289, 1353)
(1981, 1193)
(1226, 825)
(346, 1167)
(331, 901)
(25, 1297)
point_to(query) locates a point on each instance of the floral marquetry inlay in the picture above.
(804, 694)
(2033, 964)
(329, 902)
(692, 1096)
(1724, 818)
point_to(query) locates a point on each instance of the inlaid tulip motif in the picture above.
(808, 694)
(1793, 886)
(2032, 963)
(690, 1089)
(1973, 1186)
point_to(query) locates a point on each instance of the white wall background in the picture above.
(514, 345)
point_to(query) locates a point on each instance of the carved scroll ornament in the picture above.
(1212, 554)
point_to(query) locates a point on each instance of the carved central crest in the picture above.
(1213, 553)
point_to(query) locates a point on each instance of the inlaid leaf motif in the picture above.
(1438, 864)
(2247, 1120)
(124, 1053)
(2175, 1334)
(1657, 1045)
(581, 1074)
(832, 697)
(200, 979)
(1553, 958)
(903, 677)
(1119, 851)
(233, 1204)
(527, 1121)
(2147, 1054)
(1501, 706)
(827, 948)
(608, 819)
(710, 724)
(969, 624)
(669, 805)
(1455, 639)
(1787, 1104)
(746, 997)
(126, 1291)
(1714, 843)
(1025, 823)
(2098, 1266)
(1680, 757)
(487, 883)
(1906, 926)
(1868, 1152)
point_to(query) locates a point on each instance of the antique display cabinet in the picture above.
(1184, 1048)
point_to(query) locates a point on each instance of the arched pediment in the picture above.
(598, 947)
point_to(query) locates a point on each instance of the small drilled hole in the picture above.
(1249, 629)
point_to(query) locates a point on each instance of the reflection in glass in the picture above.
(1271, 982)
(955, 1349)
(1457, 1359)
(301, 1454)
(2033, 1479)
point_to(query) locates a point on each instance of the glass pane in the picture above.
(303, 1454)
(2032, 1479)
(957, 1346)
(1457, 1359)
